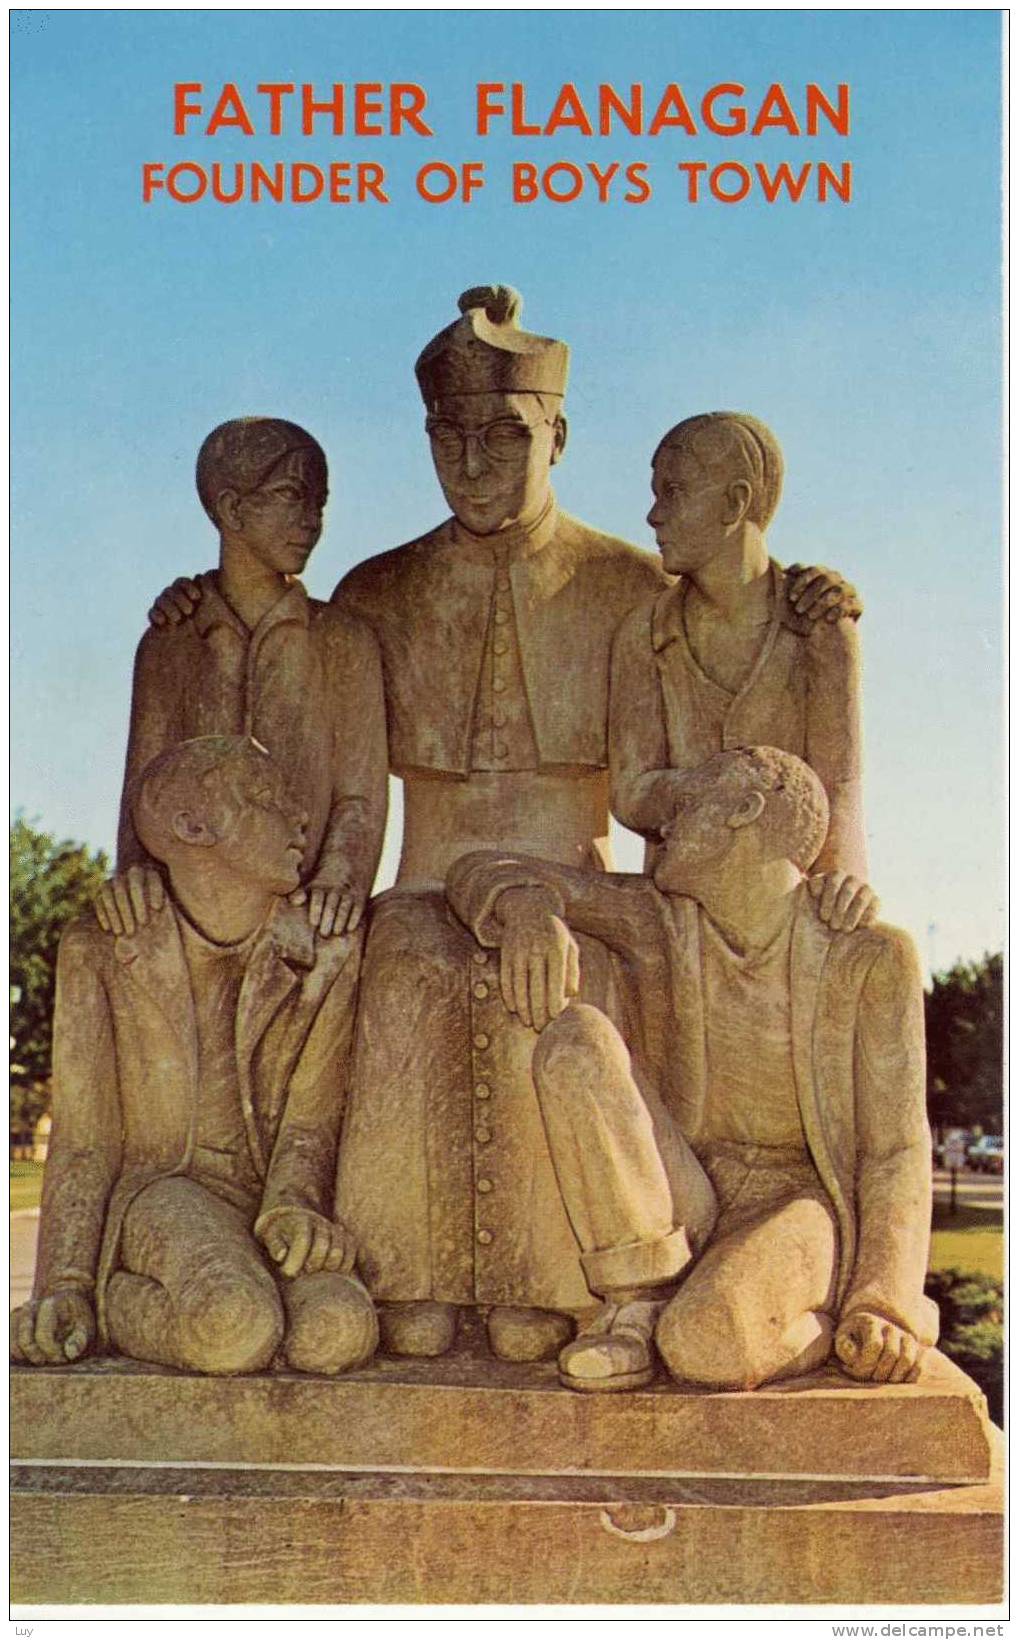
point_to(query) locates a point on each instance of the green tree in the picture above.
(963, 1011)
(51, 882)
(972, 1310)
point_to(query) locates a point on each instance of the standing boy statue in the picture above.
(262, 658)
(187, 1201)
(723, 658)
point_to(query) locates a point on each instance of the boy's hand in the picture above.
(333, 908)
(302, 1242)
(127, 901)
(820, 593)
(52, 1331)
(176, 603)
(871, 1347)
(843, 902)
(540, 960)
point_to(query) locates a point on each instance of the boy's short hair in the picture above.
(209, 777)
(740, 443)
(796, 809)
(240, 455)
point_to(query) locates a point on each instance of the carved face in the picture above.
(281, 521)
(700, 836)
(691, 513)
(492, 454)
(263, 839)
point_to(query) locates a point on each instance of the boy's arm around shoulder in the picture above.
(155, 694)
(360, 778)
(833, 745)
(641, 780)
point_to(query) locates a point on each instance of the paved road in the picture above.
(980, 1190)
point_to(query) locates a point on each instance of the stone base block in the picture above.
(469, 1481)
(469, 1413)
(205, 1537)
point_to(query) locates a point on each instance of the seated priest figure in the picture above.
(748, 1174)
(495, 631)
(199, 1068)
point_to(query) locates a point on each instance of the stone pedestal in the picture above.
(465, 1480)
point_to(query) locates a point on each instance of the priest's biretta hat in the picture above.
(486, 351)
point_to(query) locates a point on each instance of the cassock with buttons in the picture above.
(495, 653)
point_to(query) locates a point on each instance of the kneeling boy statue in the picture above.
(748, 1172)
(198, 1079)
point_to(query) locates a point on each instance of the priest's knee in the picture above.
(413, 961)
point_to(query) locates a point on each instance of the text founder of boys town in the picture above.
(495, 631)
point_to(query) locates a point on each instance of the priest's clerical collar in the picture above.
(516, 541)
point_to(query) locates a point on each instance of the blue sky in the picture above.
(867, 336)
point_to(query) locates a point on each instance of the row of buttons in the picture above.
(482, 1041)
(500, 648)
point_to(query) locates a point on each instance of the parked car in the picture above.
(987, 1154)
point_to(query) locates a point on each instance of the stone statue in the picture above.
(675, 1119)
(495, 631)
(723, 658)
(262, 658)
(197, 1094)
(763, 1141)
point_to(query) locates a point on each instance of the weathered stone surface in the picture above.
(198, 1068)
(480, 656)
(751, 1092)
(683, 1111)
(262, 658)
(725, 655)
(137, 1535)
(472, 1416)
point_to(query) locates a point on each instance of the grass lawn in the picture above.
(26, 1184)
(969, 1239)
